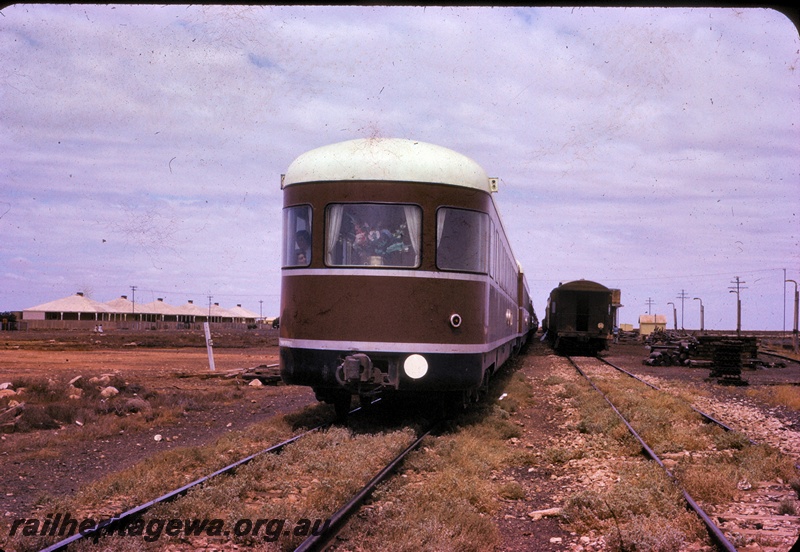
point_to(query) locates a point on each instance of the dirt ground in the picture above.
(178, 365)
(181, 371)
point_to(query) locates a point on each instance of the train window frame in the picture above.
(482, 266)
(291, 254)
(374, 248)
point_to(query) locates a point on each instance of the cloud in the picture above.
(655, 148)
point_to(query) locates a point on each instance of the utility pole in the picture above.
(674, 316)
(649, 304)
(682, 296)
(796, 308)
(261, 309)
(133, 302)
(209, 307)
(736, 290)
(783, 338)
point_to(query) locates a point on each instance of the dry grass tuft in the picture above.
(647, 534)
(708, 481)
(643, 511)
(794, 483)
(715, 479)
(511, 490)
(561, 455)
(787, 507)
(764, 463)
(665, 422)
(734, 440)
(779, 395)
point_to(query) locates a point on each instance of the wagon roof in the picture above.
(393, 159)
(583, 285)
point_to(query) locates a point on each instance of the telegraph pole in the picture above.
(796, 309)
(133, 302)
(649, 304)
(683, 295)
(736, 290)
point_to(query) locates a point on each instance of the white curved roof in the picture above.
(394, 159)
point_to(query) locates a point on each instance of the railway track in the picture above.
(596, 370)
(111, 524)
(714, 531)
(318, 541)
(315, 541)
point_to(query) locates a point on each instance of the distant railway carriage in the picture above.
(580, 317)
(397, 274)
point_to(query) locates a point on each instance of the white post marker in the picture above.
(209, 346)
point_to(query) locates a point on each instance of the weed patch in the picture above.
(643, 511)
(779, 395)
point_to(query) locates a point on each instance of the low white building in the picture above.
(74, 307)
(79, 311)
(648, 323)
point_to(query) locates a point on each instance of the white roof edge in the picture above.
(394, 159)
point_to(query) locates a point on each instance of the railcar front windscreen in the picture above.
(373, 235)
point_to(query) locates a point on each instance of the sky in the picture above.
(651, 150)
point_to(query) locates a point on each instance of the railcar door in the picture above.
(582, 307)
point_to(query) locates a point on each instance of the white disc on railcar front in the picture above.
(415, 366)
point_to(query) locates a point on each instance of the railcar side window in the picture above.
(462, 240)
(373, 234)
(297, 236)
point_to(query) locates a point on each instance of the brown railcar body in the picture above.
(348, 329)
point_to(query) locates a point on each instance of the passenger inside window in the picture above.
(297, 236)
(373, 235)
(303, 253)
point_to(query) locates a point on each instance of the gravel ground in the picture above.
(525, 524)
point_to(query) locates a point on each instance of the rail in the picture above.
(317, 542)
(714, 532)
(115, 521)
(705, 416)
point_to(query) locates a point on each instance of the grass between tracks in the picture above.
(447, 494)
(644, 510)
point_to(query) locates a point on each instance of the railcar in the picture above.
(580, 317)
(397, 275)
